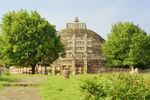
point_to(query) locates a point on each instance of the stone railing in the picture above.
(109, 70)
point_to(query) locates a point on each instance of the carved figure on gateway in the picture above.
(82, 47)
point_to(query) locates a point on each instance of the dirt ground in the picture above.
(25, 89)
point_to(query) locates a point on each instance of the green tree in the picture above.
(127, 45)
(28, 39)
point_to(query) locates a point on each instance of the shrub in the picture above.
(115, 87)
(92, 90)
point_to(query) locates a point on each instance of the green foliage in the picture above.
(27, 39)
(92, 90)
(115, 87)
(127, 45)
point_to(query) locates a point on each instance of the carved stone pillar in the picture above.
(73, 66)
(73, 55)
(85, 54)
(85, 66)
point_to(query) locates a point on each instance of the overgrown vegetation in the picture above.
(115, 87)
(97, 87)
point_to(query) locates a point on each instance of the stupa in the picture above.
(82, 48)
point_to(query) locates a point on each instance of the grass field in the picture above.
(8, 78)
(4, 78)
(58, 88)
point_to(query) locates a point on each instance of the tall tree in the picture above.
(28, 39)
(127, 45)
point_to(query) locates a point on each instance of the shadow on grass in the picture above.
(8, 78)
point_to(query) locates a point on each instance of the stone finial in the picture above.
(76, 19)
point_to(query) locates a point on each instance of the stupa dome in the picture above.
(82, 47)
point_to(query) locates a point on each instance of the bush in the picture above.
(115, 87)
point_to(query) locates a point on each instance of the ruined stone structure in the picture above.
(82, 47)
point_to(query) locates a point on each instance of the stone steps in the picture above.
(20, 84)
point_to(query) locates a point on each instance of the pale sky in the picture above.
(99, 15)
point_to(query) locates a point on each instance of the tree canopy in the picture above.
(27, 39)
(127, 45)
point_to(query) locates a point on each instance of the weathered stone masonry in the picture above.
(83, 49)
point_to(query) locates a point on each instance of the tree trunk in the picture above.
(0, 71)
(33, 69)
(26, 70)
(45, 71)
